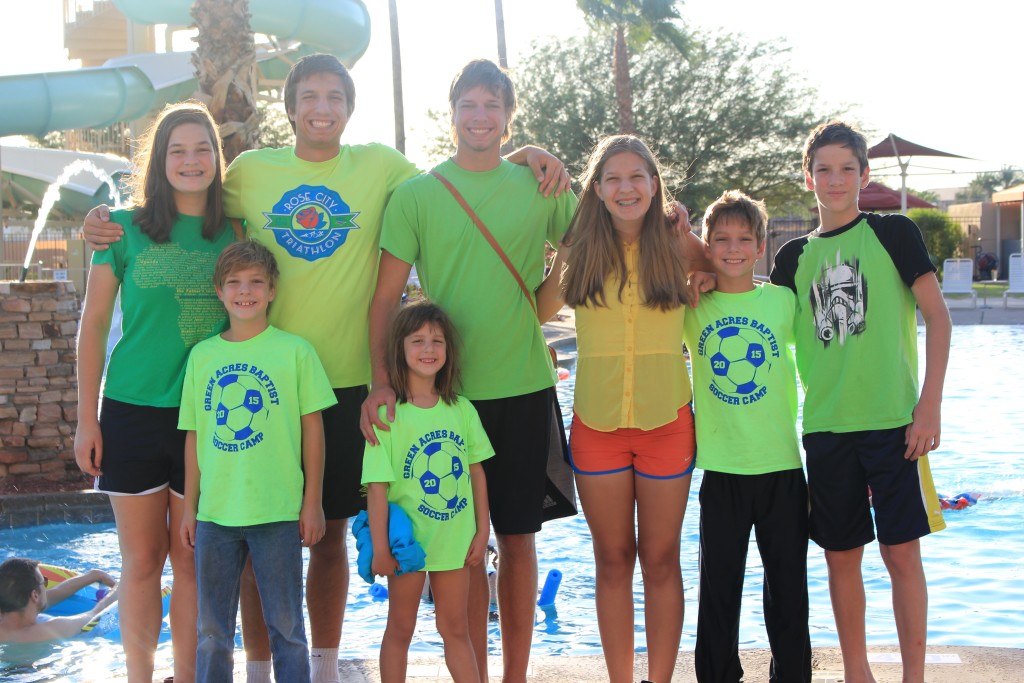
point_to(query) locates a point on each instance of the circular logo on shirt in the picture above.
(311, 222)
(440, 469)
(738, 360)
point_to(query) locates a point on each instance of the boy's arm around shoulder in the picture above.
(924, 431)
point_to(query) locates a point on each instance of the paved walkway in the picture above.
(944, 665)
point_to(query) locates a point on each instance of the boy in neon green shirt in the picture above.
(254, 459)
(740, 338)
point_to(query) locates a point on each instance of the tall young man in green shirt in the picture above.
(506, 372)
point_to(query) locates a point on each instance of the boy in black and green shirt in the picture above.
(857, 278)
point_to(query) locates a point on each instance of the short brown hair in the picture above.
(408, 320)
(242, 255)
(836, 132)
(486, 74)
(17, 581)
(734, 205)
(317, 63)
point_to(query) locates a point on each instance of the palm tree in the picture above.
(396, 78)
(633, 24)
(225, 64)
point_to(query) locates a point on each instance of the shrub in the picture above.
(942, 236)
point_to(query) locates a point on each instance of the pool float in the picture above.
(959, 501)
(550, 589)
(105, 623)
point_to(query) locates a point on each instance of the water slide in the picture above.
(129, 87)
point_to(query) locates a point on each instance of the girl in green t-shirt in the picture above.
(162, 267)
(420, 466)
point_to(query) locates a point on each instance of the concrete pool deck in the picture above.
(946, 664)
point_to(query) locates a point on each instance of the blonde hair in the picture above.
(597, 251)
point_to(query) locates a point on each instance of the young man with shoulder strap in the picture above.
(507, 372)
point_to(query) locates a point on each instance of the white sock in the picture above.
(258, 671)
(323, 664)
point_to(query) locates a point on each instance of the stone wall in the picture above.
(38, 386)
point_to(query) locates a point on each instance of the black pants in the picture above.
(775, 505)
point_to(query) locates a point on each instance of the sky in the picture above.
(937, 73)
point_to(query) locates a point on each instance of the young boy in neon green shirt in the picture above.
(740, 338)
(254, 459)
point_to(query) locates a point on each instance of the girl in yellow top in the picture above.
(632, 439)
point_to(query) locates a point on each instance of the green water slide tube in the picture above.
(129, 87)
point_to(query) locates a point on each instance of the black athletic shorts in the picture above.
(519, 428)
(344, 496)
(143, 449)
(842, 467)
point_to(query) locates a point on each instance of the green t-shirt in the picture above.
(856, 329)
(322, 221)
(744, 380)
(504, 353)
(168, 303)
(245, 401)
(425, 460)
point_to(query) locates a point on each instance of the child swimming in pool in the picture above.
(420, 465)
(24, 596)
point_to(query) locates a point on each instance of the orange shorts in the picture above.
(666, 452)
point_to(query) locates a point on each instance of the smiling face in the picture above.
(626, 187)
(320, 115)
(246, 294)
(425, 353)
(836, 178)
(191, 165)
(733, 252)
(479, 120)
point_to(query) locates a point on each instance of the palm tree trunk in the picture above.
(623, 82)
(499, 19)
(225, 64)
(396, 78)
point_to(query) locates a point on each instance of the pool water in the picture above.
(975, 575)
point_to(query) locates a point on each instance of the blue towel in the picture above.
(407, 551)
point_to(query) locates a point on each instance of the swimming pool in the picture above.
(975, 576)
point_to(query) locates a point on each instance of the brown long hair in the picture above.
(152, 194)
(597, 251)
(408, 320)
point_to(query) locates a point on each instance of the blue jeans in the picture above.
(276, 551)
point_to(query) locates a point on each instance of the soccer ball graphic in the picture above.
(440, 470)
(241, 410)
(739, 360)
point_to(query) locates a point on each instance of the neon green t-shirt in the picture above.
(322, 221)
(168, 303)
(744, 380)
(245, 401)
(856, 329)
(504, 353)
(425, 460)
